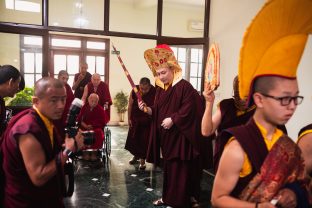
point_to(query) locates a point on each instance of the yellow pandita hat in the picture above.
(274, 42)
(161, 57)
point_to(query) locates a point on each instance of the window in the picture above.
(69, 51)
(31, 59)
(190, 59)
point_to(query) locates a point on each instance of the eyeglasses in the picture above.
(286, 100)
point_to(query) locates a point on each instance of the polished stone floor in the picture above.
(118, 184)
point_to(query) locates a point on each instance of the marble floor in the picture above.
(118, 184)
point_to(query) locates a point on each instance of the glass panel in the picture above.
(10, 49)
(181, 54)
(182, 65)
(194, 69)
(38, 76)
(70, 80)
(200, 58)
(29, 62)
(193, 81)
(66, 43)
(91, 64)
(87, 14)
(38, 62)
(194, 55)
(175, 51)
(95, 45)
(59, 63)
(198, 84)
(21, 11)
(187, 17)
(73, 64)
(29, 80)
(133, 16)
(100, 65)
(31, 40)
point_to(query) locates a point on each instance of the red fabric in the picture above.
(61, 123)
(164, 46)
(179, 144)
(137, 139)
(283, 165)
(103, 92)
(19, 190)
(96, 118)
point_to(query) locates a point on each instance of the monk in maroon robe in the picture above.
(92, 117)
(101, 89)
(81, 79)
(175, 130)
(33, 159)
(61, 123)
(139, 122)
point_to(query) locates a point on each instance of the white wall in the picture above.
(228, 22)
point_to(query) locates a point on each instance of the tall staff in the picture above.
(135, 89)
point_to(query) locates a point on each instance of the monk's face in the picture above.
(52, 103)
(273, 111)
(13, 87)
(144, 88)
(165, 75)
(96, 80)
(93, 101)
(63, 78)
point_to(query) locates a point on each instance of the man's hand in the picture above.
(142, 105)
(79, 140)
(167, 123)
(208, 93)
(287, 198)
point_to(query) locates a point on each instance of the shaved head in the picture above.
(44, 83)
(266, 83)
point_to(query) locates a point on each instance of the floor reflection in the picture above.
(118, 184)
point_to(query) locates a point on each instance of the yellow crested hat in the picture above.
(161, 57)
(274, 42)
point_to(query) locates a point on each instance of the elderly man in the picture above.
(101, 89)
(81, 79)
(33, 158)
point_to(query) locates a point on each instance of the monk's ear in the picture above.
(35, 100)
(258, 99)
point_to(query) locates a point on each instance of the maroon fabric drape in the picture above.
(96, 118)
(138, 134)
(79, 90)
(19, 190)
(103, 92)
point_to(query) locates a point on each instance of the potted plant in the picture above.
(121, 103)
(21, 100)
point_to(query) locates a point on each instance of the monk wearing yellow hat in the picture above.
(261, 166)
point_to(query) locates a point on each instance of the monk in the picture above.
(101, 89)
(61, 124)
(305, 144)
(260, 165)
(33, 158)
(230, 112)
(81, 79)
(175, 130)
(139, 122)
(92, 117)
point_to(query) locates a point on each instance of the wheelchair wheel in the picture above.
(108, 141)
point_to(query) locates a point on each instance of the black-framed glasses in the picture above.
(286, 100)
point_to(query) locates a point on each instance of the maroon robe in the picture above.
(137, 139)
(19, 190)
(306, 128)
(2, 116)
(179, 144)
(96, 118)
(60, 124)
(79, 90)
(104, 95)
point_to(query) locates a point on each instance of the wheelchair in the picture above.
(105, 152)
